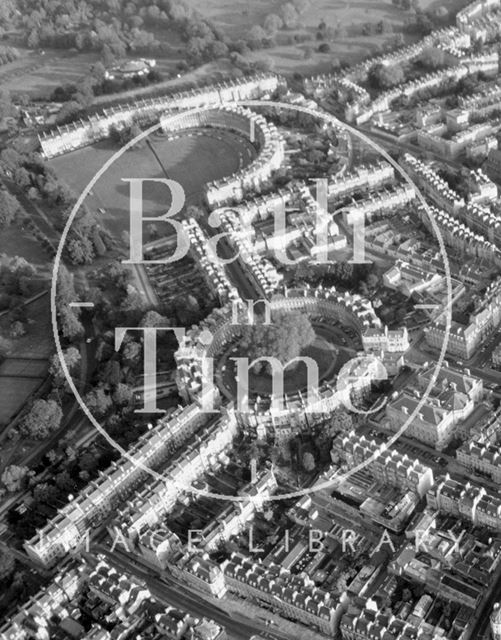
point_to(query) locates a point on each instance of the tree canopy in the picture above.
(14, 477)
(43, 418)
(284, 338)
(9, 208)
(71, 358)
(383, 76)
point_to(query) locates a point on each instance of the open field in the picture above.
(453, 6)
(15, 391)
(39, 75)
(38, 342)
(347, 16)
(329, 360)
(25, 369)
(234, 16)
(191, 159)
(15, 241)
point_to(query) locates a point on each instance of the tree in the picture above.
(124, 134)
(45, 492)
(341, 421)
(383, 76)
(14, 477)
(17, 329)
(85, 94)
(65, 482)
(21, 177)
(71, 327)
(97, 241)
(131, 352)
(33, 40)
(52, 456)
(68, 112)
(264, 64)
(43, 418)
(108, 56)
(423, 24)
(153, 13)
(219, 49)
(98, 402)
(154, 319)
(432, 58)
(407, 595)
(9, 208)
(133, 304)
(152, 231)
(65, 290)
(88, 461)
(80, 250)
(7, 564)
(17, 268)
(122, 394)
(110, 375)
(257, 35)
(308, 461)
(114, 276)
(98, 71)
(289, 15)
(397, 40)
(71, 358)
(5, 347)
(187, 309)
(273, 23)
(284, 338)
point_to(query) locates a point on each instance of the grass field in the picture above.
(28, 368)
(234, 16)
(39, 75)
(191, 160)
(14, 394)
(24, 370)
(323, 351)
(38, 342)
(17, 242)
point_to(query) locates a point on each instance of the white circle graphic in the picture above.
(336, 479)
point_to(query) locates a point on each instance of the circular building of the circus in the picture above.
(207, 362)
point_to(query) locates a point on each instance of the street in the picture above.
(172, 591)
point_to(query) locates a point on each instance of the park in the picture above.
(191, 158)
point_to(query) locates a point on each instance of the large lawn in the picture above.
(26, 367)
(18, 241)
(15, 392)
(328, 357)
(191, 159)
(39, 75)
(233, 17)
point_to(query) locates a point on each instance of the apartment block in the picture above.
(386, 465)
